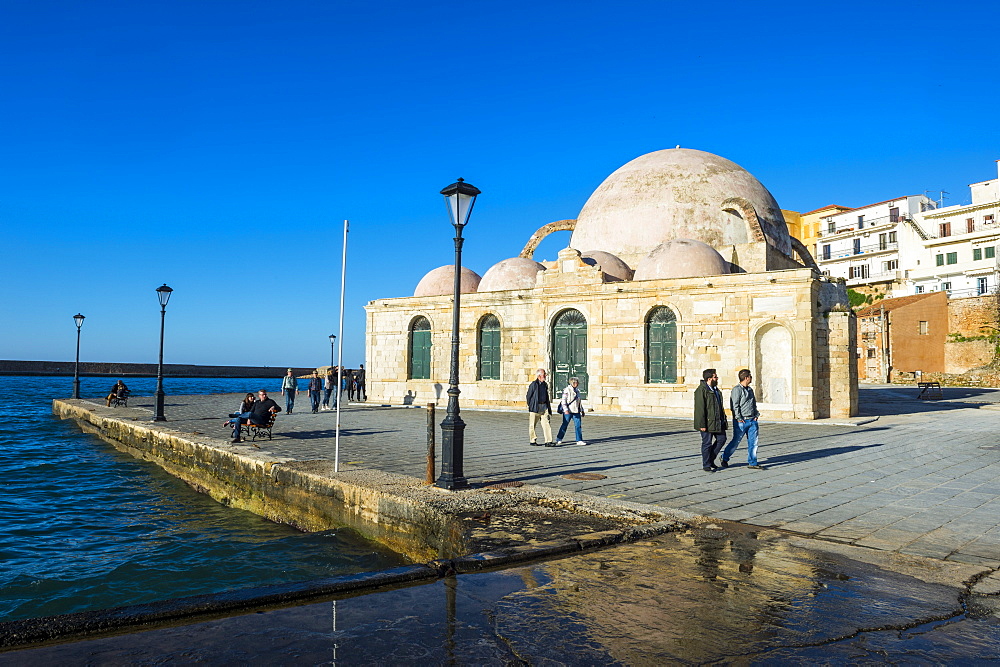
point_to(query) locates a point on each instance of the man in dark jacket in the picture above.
(539, 409)
(710, 419)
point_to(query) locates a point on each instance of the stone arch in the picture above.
(800, 249)
(773, 352)
(748, 213)
(558, 226)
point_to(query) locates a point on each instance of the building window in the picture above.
(922, 327)
(892, 237)
(945, 287)
(861, 222)
(977, 254)
(661, 346)
(970, 225)
(857, 246)
(894, 214)
(919, 289)
(982, 285)
(860, 271)
(988, 219)
(890, 265)
(831, 227)
(944, 229)
(991, 252)
(871, 353)
(952, 258)
(939, 259)
(826, 251)
(420, 349)
(882, 242)
(489, 348)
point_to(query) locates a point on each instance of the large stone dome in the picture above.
(442, 281)
(678, 193)
(513, 273)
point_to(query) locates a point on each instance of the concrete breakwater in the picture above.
(120, 369)
(400, 512)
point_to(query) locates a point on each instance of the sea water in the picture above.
(83, 526)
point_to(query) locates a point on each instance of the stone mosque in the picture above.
(679, 261)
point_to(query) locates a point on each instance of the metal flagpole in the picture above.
(340, 351)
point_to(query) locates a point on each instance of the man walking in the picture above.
(539, 409)
(288, 387)
(710, 419)
(315, 388)
(745, 414)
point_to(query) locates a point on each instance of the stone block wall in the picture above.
(768, 322)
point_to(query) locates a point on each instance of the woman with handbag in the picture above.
(571, 407)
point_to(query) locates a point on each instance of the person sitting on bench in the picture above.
(239, 418)
(117, 391)
(261, 412)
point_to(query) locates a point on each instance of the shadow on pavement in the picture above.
(785, 459)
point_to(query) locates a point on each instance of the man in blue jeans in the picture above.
(744, 406)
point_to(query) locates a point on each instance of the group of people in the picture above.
(709, 417)
(322, 389)
(570, 406)
(253, 410)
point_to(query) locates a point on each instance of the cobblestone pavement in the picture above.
(921, 479)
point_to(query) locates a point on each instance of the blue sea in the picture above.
(86, 527)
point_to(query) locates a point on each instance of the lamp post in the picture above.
(78, 318)
(163, 294)
(460, 197)
(333, 349)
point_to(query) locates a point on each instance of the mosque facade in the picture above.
(679, 261)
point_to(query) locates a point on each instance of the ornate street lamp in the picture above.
(333, 349)
(78, 318)
(460, 197)
(163, 294)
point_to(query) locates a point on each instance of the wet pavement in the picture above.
(722, 593)
(921, 479)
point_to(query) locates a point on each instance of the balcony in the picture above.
(862, 250)
(846, 226)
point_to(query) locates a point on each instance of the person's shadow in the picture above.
(409, 398)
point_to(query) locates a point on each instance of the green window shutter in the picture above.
(939, 260)
(489, 348)
(991, 252)
(953, 258)
(977, 253)
(420, 350)
(661, 351)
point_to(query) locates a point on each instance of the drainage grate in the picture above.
(585, 475)
(512, 484)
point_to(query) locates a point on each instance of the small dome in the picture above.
(614, 268)
(681, 258)
(442, 281)
(513, 273)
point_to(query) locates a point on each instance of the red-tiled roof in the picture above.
(893, 304)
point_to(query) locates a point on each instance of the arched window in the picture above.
(661, 346)
(489, 348)
(420, 349)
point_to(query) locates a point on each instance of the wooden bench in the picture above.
(930, 390)
(254, 430)
(120, 399)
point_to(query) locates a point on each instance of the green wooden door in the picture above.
(489, 348)
(661, 346)
(569, 351)
(420, 349)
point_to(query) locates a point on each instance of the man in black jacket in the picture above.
(710, 419)
(260, 413)
(539, 409)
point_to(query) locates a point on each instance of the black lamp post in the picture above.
(163, 294)
(78, 318)
(460, 198)
(333, 349)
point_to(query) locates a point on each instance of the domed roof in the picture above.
(442, 281)
(681, 258)
(513, 273)
(678, 193)
(613, 268)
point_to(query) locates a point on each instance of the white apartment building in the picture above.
(961, 257)
(875, 244)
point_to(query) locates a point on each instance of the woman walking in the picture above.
(571, 409)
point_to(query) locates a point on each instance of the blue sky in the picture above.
(218, 146)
